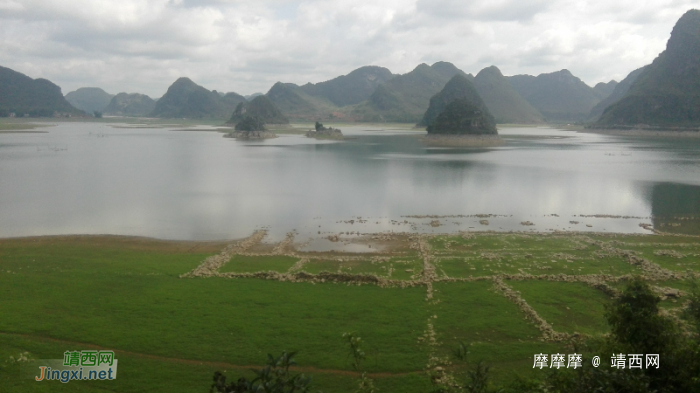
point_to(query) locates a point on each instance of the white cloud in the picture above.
(244, 46)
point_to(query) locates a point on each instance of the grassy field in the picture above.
(175, 312)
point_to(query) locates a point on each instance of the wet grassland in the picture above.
(175, 312)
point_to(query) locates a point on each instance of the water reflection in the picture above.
(198, 185)
(676, 207)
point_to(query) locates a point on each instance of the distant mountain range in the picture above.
(350, 89)
(405, 98)
(261, 108)
(558, 96)
(295, 103)
(620, 90)
(665, 93)
(133, 105)
(186, 99)
(502, 100)
(89, 99)
(605, 89)
(22, 95)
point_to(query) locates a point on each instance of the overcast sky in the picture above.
(246, 46)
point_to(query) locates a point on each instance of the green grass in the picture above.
(402, 268)
(133, 300)
(568, 307)
(246, 263)
(494, 329)
(172, 333)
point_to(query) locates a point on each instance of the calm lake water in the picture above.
(94, 178)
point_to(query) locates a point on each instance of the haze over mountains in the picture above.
(259, 107)
(503, 101)
(620, 90)
(21, 95)
(350, 89)
(134, 104)
(559, 96)
(666, 92)
(89, 99)
(186, 99)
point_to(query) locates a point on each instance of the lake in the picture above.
(95, 178)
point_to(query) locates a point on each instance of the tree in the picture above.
(250, 123)
(366, 384)
(273, 378)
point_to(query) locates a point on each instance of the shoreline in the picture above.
(642, 132)
(447, 140)
(349, 236)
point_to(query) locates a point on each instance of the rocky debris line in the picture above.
(597, 281)
(436, 368)
(212, 264)
(421, 244)
(298, 265)
(610, 216)
(667, 292)
(323, 277)
(284, 247)
(251, 135)
(651, 270)
(670, 253)
(675, 314)
(548, 332)
(480, 215)
(322, 132)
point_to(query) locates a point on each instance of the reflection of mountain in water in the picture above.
(676, 208)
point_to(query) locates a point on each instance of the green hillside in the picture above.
(349, 89)
(667, 92)
(459, 87)
(458, 109)
(405, 98)
(620, 90)
(506, 105)
(22, 95)
(462, 117)
(134, 104)
(559, 96)
(186, 99)
(297, 104)
(261, 108)
(89, 99)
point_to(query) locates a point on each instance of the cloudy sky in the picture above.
(246, 46)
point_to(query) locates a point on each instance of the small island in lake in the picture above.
(322, 132)
(457, 116)
(251, 127)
